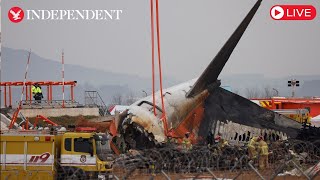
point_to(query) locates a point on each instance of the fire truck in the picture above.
(53, 155)
(299, 109)
(299, 115)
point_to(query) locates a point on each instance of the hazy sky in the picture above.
(192, 32)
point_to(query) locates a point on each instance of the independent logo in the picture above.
(16, 14)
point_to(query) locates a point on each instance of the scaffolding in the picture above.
(7, 91)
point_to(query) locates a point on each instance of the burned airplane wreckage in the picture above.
(201, 107)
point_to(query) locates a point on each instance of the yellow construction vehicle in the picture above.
(50, 155)
(299, 115)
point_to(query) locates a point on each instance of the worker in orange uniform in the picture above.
(186, 142)
(264, 153)
(252, 147)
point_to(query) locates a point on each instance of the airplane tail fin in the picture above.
(215, 67)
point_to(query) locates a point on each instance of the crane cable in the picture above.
(163, 118)
(152, 52)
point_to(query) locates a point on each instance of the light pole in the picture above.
(293, 83)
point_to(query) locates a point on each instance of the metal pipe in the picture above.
(72, 96)
(50, 92)
(48, 95)
(10, 97)
(255, 170)
(5, 96)
(30, 93)
(165, 175)
(26, 93)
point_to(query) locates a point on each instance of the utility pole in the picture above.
(293, 83)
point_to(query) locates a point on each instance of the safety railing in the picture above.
(34, 104)
(93, 99)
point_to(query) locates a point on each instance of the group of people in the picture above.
(258, 149)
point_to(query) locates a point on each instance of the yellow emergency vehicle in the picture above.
(44, 155)
(299, 115)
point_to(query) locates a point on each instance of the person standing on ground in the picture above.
(37, 92)
(186, 142)
(252, 146)
(263, 154)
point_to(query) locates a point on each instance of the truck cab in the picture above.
(52, 155)
(85, 154)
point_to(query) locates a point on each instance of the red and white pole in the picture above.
(25, 78)
(62, 79)
(15, 115)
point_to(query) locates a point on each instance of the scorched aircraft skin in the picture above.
(200, 106)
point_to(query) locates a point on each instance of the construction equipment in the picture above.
(44, 119)
(53, 155)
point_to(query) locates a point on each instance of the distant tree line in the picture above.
(265, 92)
(124, 99)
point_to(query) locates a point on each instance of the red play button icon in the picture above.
(277, 12)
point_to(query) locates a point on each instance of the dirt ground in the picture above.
(102, 124)
(246, 175)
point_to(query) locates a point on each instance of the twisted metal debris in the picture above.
(293, 157)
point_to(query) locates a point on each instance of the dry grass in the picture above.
(64, 120)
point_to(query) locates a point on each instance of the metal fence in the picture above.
(287, 160)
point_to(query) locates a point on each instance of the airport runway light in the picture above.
(293, 83)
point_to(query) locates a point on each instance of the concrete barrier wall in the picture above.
(56, 112)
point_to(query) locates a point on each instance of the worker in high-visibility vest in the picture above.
(37, 92)
(220, 141)
(263, 154)
(253, 143)
(186, 142)
(171, 140)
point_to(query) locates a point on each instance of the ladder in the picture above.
(93, 99)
